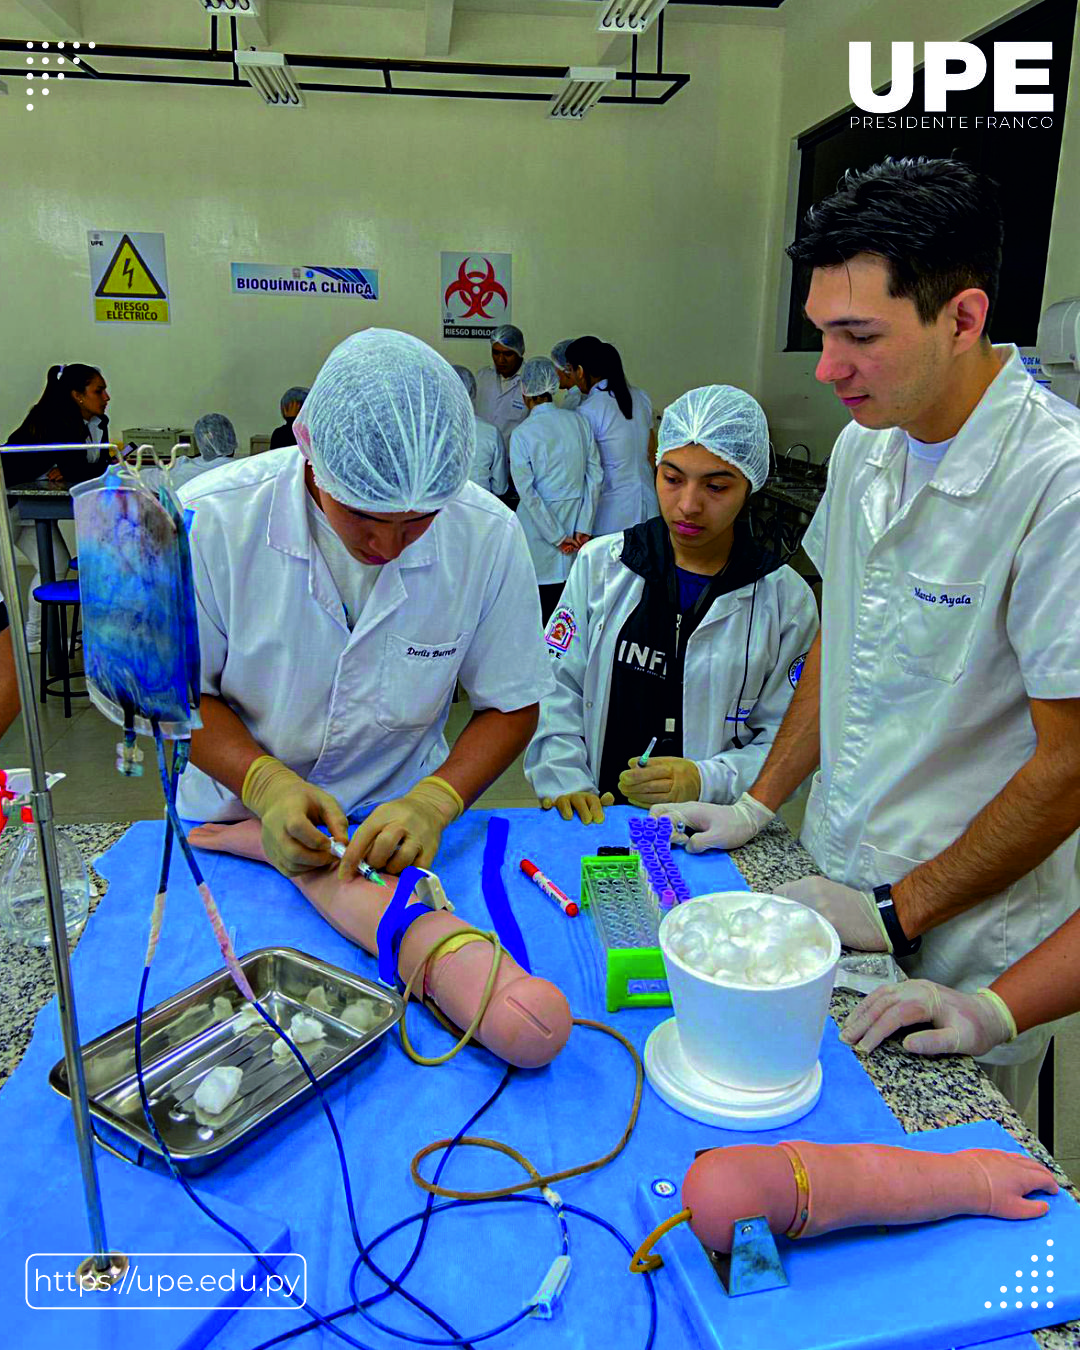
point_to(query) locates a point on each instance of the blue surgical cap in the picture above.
(509, 336)
(468, 379)
(215, 437)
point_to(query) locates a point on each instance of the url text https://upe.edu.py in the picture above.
(170, 1281)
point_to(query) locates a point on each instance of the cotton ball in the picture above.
(317, 999)
(362, 1015)
(249, 1017)
(767, 972)
(218, 1089)
(693, 950)
(746, 924)
(804, 924)
(281, 1050)
(304, 1028)
(222, 1008)
(772, 911)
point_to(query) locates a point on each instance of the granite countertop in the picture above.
(923, 1094)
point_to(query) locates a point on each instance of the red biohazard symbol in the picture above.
(476, 288)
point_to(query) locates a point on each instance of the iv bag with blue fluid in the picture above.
(140, 636)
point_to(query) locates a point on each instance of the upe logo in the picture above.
(969, 71)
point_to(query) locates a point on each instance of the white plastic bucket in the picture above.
(743, 1035)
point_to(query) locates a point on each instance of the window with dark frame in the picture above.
(1024, 163)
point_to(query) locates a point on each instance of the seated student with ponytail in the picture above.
(70, 411)
(680, 628)
(621, 419)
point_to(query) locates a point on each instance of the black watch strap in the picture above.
(902, 944)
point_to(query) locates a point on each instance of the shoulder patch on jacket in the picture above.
(795, 669)
(560, 630)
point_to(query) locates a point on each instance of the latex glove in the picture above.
(589, 806)
(291, 809)
(965, 1024)
(404, 831)
(854, 914)
(667, 778)
(717, 826)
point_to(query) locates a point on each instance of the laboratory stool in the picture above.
(62, 594)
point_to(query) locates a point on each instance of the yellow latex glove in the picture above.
(406, 831)
(589, 806)
(290, 809)
(667, 778)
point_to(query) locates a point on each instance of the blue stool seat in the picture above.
(62, 594)
(73, 565)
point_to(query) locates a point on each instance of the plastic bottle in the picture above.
(23, 904)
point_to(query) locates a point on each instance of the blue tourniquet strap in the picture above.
(395, 923)
(498, 903)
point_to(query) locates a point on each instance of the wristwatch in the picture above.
(902, 945)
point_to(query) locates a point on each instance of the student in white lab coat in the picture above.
(621, 419)
(490, 468)
(343, 586)
(556, 470)
(942, 702)
(215, 440)
(498, 386)
(680, 628)
(571, 394)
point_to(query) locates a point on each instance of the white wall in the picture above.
(647, 226)
(815, 88)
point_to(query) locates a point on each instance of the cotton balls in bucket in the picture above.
(754, 940)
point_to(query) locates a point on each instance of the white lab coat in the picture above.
(601, 593)
(360, 714)
(939, 623)
(500, 401)
(557, 473)
(490, 466)
(629, 493)
(186, 468)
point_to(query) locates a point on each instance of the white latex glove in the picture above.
(852, 913)
(718, 826)
(965, 1024)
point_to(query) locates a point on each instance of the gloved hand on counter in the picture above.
(291, 809)
(965, 1024)
(666, 778)
(589, 806)
(852, 913)
(406, 831)
(717, 826)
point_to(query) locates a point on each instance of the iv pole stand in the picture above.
(102, 1269)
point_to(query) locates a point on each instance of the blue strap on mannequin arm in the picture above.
(395, 922)
(495, 896)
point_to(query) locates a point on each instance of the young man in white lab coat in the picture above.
(942, 701)
(343, 586)
(555, 464)
(498, 386)
(679, 628)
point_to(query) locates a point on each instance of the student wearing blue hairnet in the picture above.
(681, 628)
(490, 468)
(498, 386)
(556, 469)
(344, 585)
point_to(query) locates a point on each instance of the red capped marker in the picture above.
(568, 907)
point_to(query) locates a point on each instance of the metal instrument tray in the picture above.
(193, 1032)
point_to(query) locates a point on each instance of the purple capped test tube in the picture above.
(667, 898)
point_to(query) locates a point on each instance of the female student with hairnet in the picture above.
(343, 586)
(556, 470)
(490, 467)
(571, 394)
(680, 628)
(621, 418)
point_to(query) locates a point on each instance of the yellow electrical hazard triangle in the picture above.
(128, 275)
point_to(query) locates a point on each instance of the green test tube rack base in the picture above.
(626, 919)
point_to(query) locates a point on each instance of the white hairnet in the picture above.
(468, 379)
(725, 420)
(214, 436)
(539, 376)
(509, 336)
(558, 354)
(296, 394)
(387, 426)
